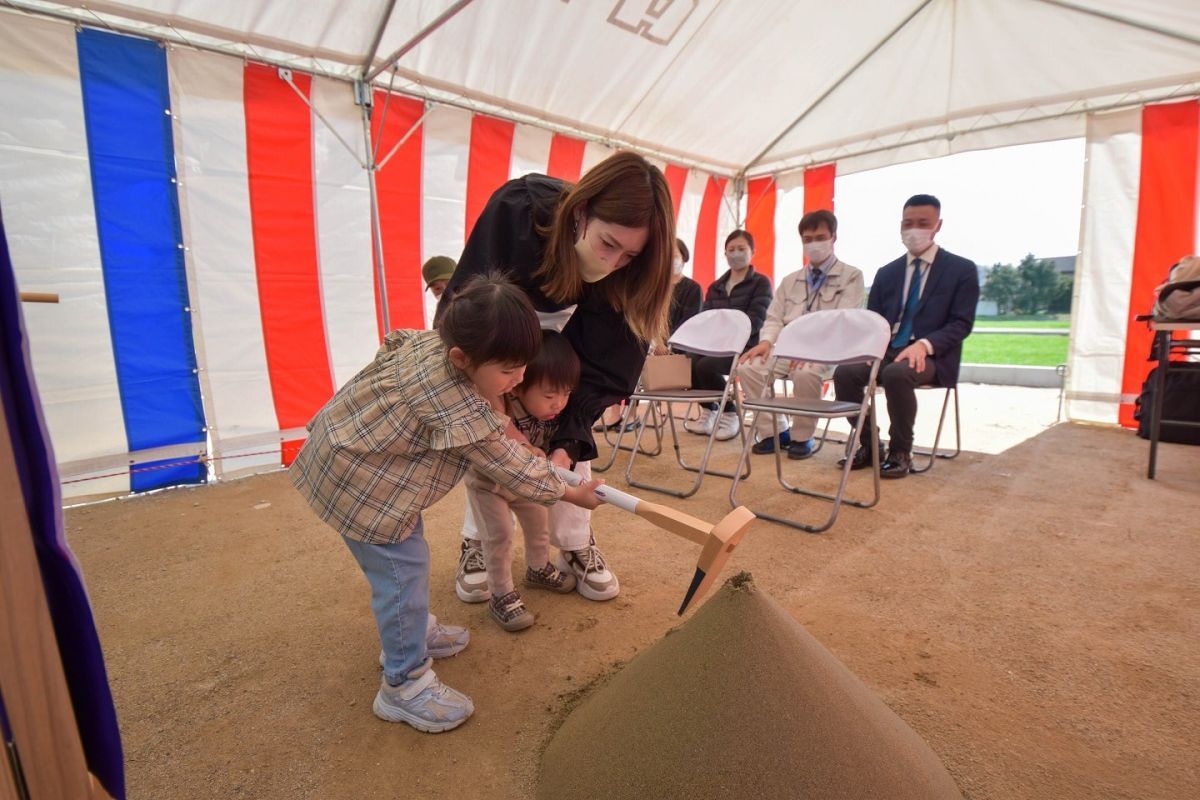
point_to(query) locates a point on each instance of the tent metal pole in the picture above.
(441, 20)
(364, 95)
(845, 76)
(378, 37)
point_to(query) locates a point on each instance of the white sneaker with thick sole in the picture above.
(728, 426)
(593, 579)
(704, 425)
(424, 702)
(470, 584)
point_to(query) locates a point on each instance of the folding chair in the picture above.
(838, 336)
(934, 453)
(652, 417)
(717, 332)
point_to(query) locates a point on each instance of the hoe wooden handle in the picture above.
(670, 520)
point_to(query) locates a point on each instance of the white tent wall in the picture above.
(46, 189)
(1101, 303)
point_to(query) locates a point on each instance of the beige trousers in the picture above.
(806, 383)
(492, 509)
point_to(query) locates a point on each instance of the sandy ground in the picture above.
(1032, 609)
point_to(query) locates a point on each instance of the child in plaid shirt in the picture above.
(395, 440)
(533, 407)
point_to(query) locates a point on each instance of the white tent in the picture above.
(737, 99)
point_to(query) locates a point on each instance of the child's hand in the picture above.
(583, 495)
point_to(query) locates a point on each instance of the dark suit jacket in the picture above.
(946, 312)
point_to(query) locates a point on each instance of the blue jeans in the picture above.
(399, 578)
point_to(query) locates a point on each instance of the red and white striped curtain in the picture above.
(269, 205)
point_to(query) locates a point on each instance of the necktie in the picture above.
(904, 333)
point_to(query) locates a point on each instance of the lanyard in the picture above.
(814, 287)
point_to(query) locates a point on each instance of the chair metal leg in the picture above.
(934, 453)
(626, 418)
(838, 498)
(701, 469)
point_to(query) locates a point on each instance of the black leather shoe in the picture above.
(861, 460)
(897, 465)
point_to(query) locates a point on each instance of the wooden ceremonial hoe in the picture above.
(717, 541)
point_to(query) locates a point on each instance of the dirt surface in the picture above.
(740, 696)
(1033, 615)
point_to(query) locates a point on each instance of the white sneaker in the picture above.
(470, 584)
(594, 580)
(704, 425)
(728, 426)
(423, 702)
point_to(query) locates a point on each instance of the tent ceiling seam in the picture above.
(667, 70)
(1123, 21)
(844, 77)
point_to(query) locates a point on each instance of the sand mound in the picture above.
(738, 702)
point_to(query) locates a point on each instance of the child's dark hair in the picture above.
(490, 319)
(555, 365)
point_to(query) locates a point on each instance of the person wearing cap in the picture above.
(437, 272)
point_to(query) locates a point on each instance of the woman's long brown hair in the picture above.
(624, 189)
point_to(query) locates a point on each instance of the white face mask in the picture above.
(917, 240)
(592, 268)
(738, 259)
(677, 266)
(817, 252)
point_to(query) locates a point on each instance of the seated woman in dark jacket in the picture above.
(744, 289)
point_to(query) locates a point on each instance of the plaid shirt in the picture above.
(396, 438)
(537, 431)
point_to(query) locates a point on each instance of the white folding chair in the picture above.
(716, 332)
(838, 336)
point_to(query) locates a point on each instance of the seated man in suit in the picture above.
(928, 296)
(827, 282)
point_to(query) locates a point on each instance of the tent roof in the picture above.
(731, 86)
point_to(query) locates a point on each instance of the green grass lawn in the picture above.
(1060, 321)
(1031, 351)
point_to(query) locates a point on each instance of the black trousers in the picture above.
(708, 372)
(899, 382)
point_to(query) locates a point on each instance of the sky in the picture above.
(997, 205)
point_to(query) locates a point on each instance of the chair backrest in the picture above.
(835, 336)
(716, 332)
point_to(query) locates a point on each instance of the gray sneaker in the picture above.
(470, 584)
(550, 577)
(593, 578)
(423, 702)
(443, 641)
(510, 612)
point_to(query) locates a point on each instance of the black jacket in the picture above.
(506, 238)
(752, 295)
(686, 301)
